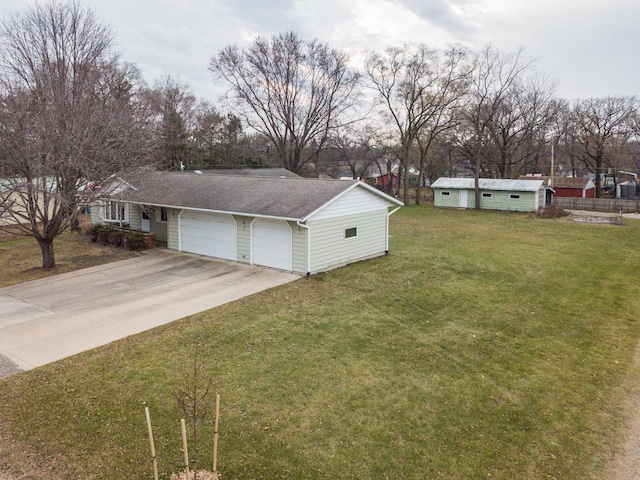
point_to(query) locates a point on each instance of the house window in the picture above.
(351, 232)
(486, 195)
(161, 215)
(446, 194)
(514, 196)
(115, 212)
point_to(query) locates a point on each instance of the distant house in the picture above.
(495, 194)
(297, 224)
(575, 187)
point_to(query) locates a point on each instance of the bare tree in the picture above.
(494, 77)
(292, 91)
(173, 104)
(604, 125)
(520, 126)
(442, 112)
(69, 116)
(417, 89)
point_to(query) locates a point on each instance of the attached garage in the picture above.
(271, 242)
(211, 234)
(289, 223)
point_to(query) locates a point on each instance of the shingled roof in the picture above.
(563, 182)
(253, 172)
(288, 198)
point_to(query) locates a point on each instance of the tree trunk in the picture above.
(48, 257)
(598, 171)
(476, 181)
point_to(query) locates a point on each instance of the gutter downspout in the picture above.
(308, 229)
(386, 245)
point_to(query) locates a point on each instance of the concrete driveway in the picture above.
(52, 318)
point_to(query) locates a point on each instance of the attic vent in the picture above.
(197, 172)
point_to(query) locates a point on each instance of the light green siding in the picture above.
(172, 229)
(489, 199)
(158, 227)
(244, 238)
(501, 200)
(446, 198)
(299, 246)
(330, 248)
(135, 217)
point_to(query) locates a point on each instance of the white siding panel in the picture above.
(299, 248)
(355, 201)
(330, 248)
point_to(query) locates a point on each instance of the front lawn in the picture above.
(486, 345)
(21, 257)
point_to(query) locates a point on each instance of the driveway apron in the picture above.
(49, 319)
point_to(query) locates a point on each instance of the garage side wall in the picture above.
(331, 247)
(299, 248)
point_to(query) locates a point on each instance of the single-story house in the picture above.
(296, 224)
(495, 194)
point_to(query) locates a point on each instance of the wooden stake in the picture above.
(184, 447)
(215, 436)
(153, 448)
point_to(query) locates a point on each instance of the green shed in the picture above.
(495, 194)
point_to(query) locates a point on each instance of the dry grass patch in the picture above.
(22, 260)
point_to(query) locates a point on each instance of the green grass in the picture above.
(487, 345)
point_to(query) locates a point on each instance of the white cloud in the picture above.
(590, 46)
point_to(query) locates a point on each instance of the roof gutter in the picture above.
(308, 229)
(386, 245)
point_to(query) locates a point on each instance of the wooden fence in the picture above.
(618, 205)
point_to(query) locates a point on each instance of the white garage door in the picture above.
(209, 234)
(271, 241)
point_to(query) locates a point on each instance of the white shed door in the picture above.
(272, 243)
(209, 234)
(464, 198)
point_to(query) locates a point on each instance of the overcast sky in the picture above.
(591, 47)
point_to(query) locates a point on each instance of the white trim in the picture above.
(106, 207)
(207, 210)
(361, 184)
(386, 233)
(308, 229)
(179, 231)
(346, 239)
